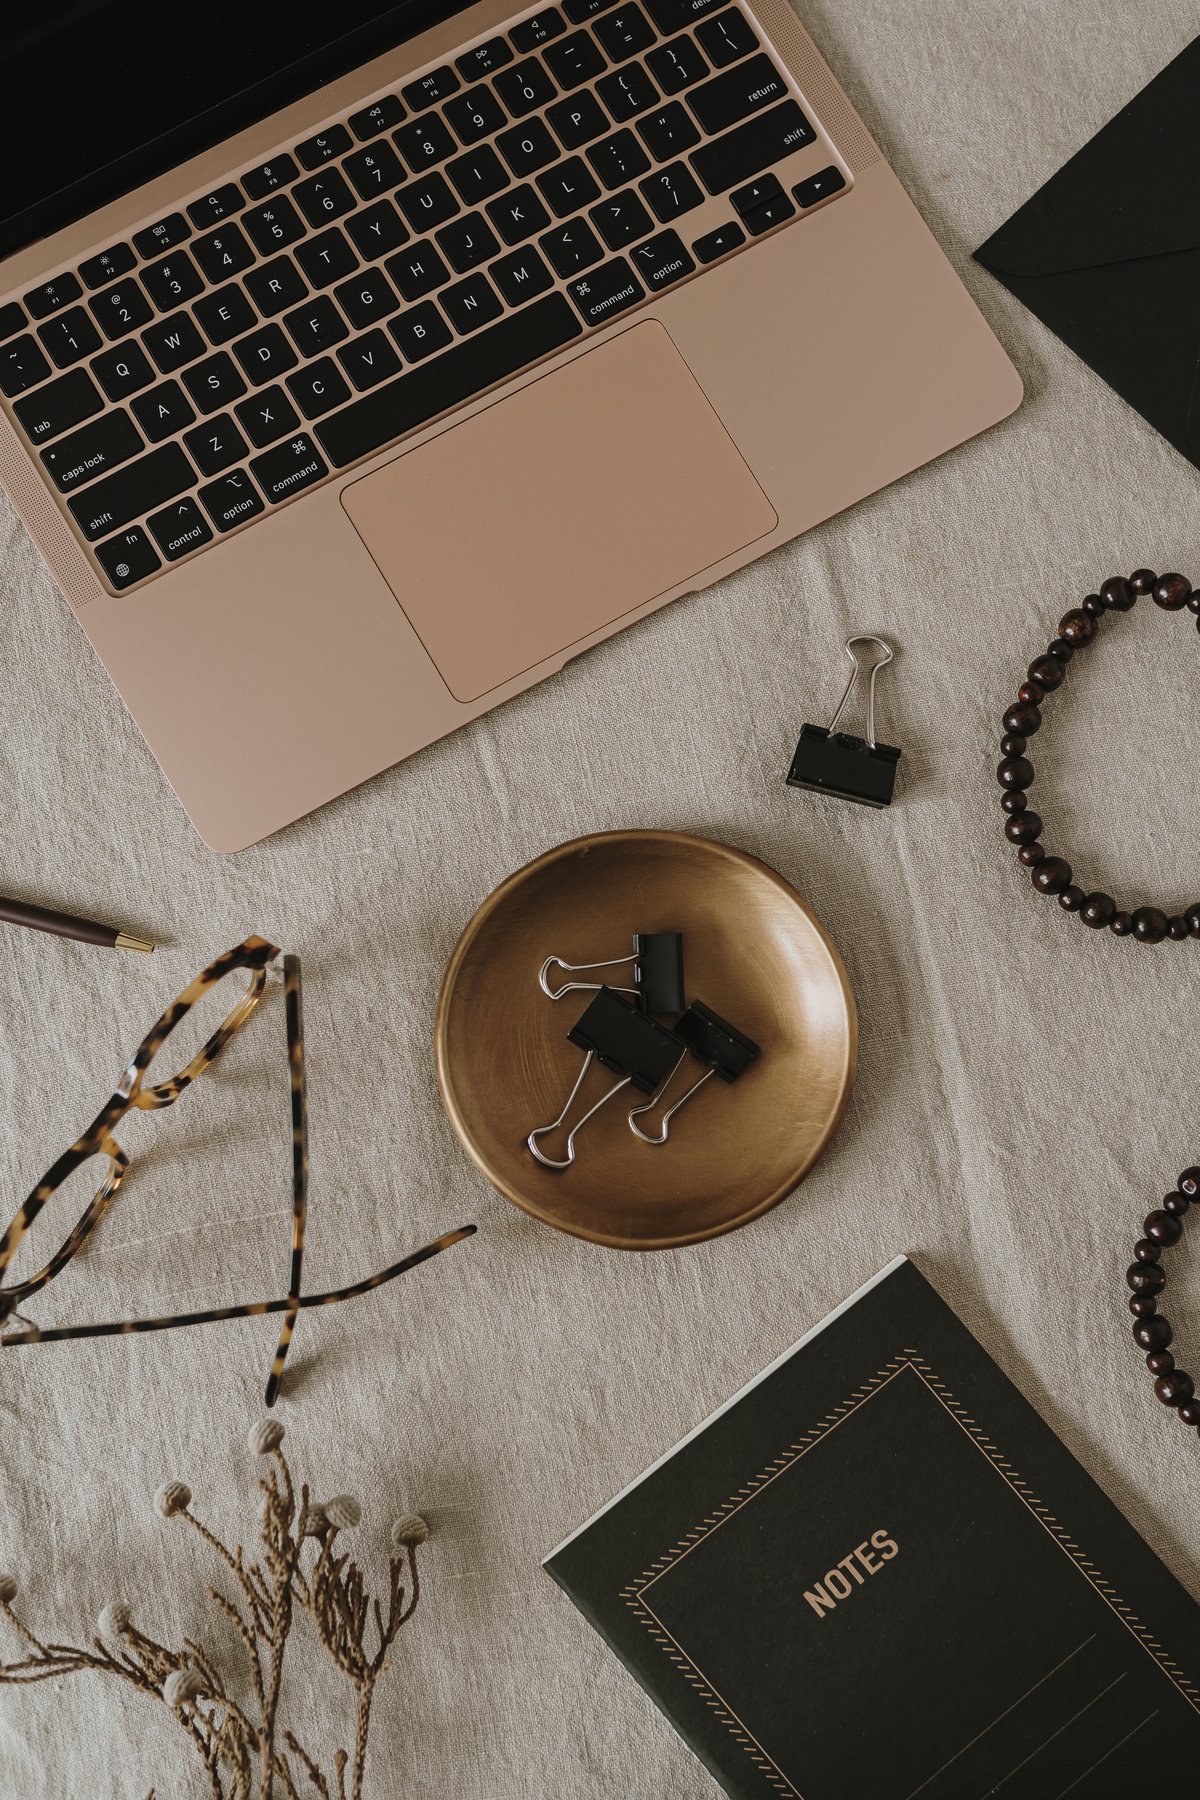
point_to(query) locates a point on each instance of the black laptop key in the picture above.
(162, 412)
(527, 148)
(579, 10)
(427, 203)
(267, 416)
(52, 296)
(174, 341)
(172, 280)
(627, 91)
(671, 191)
(275, 285)
(620, 219)
(425, 142)
(157, 239)
(767, 216)
(316, 326)
(231, 500)
(131, 492)
(539, 30)
(427, 90)
(574, 60)
(661, 261)
(572, 247)
(12, 317)
(374, 171)
(122, 308)
(417, 270)
(376, 230)
(214, 383)
(179, 529)
(333, 142)
(215, 445)
(618, 159)
(58, 406)
(668, 132)
(484, 59)
(521, 275)
(97, 270)
(223, 253)
(323, 197)
(748, 199)
(478, 175)
(91, 451)
(676, 65)
(726, 36)
(420, 332)
(326, 258)
(368, 360)
(719, 242)
(524, 87)
(578, 121)
(475, 114)
(289, 469)
(210, 209)
(269, 177)
(273, 225)
(673, 15)
(737, 93)
(518, 215)
(605, 292)
(471, 304)
(71, 335)
(625, 32)
(318, 388)
(128, 558)
(467, 242)
(265, 355)
(367, 297)
(22, 366)
(123, 371)
(224, 314)
(764, 139)
(479, 362)
(819, 186)
(568, 186)
(381, 115)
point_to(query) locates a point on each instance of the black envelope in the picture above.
(1107, 253)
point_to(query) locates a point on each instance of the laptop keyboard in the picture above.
(384, 271)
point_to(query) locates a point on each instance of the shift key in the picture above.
(741, 154)
(139, 488)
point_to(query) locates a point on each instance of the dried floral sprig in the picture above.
(243, 1748)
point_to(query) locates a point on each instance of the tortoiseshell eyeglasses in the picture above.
(153, 1057)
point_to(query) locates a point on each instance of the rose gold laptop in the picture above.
(363, 364)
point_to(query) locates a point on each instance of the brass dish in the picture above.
(752, 951)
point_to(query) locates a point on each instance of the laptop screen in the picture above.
(97, 96)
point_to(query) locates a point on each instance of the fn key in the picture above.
(128, 557)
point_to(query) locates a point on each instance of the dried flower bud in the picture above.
(412, 1529)
(172, 1497)
(265, 1437)
(343, 1512)
(114, 1619)
(314, 1523)
(8, 1589)
(181, 1686)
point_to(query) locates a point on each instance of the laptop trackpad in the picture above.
(557, 511)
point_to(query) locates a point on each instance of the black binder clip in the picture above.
(711, 1040)
(657, 972)
(833, 762)
(634, 1046)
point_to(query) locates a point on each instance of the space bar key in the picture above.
(480, 361)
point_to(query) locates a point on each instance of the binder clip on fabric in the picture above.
(711, 1040)
(639, 1051)
(657, 963)
(833, 762)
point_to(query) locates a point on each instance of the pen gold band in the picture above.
(126, 941)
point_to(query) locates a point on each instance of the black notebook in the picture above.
(876, 1574)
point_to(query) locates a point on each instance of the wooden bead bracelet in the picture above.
(1052, 874)
(1147, 1277)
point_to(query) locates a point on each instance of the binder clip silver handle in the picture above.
(855, 672)
(649, 1105)
(549, 1162)
(573, 987)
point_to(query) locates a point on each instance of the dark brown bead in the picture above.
(1093, 606)
(1160, 1362)
(1176, 1205)
(1013, 801)
(1031, 855)
(1071, 898)
(1098, 910)
(1023, 828)
(1149, 925)
(1052, 875)
(1162, 1227)
(1189, 1182)
(1117, 593)
(1192, 915)
(1146, 1250)
(1048, 671)
(1076, 627)
(1178, 929)
(1121, 924)
(1171, 592)
(1017, 772)
(1193, 602)
(1060, 649)
(1142, 581)
(1189, 1412)
(1175, 1388)
(1146, 1278)
(1143, 1306)
(1022, 718)
(1012, 744)
(1153, 1334)
(1031, 693)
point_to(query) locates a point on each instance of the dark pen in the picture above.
(41, 918)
